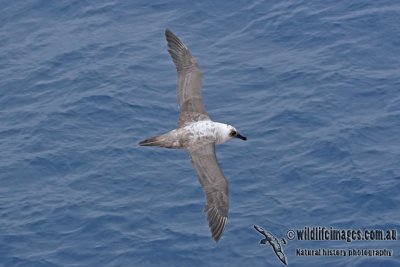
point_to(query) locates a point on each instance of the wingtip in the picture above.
(169, 33)
(217, 228)
(216, 238)
(173, 40)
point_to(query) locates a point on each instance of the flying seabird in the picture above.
(274, 242)
(198, 134)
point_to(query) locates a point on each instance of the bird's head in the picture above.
(233, 133)
(226, 132)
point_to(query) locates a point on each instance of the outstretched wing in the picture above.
(260, 230)
(190, 99)
(215, 187)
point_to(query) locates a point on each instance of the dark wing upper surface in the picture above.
(214, 185)
(260, 230)
(190, 98)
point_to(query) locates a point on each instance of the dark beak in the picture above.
(241, 137)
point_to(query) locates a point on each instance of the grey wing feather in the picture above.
(215, 187)
(190, 98)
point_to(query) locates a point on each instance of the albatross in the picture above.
(198, 134)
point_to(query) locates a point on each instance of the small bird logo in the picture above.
(274, 242)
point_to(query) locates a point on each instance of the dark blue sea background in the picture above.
(314, 85)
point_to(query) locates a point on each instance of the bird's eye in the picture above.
(233, 133)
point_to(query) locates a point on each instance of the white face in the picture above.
(232, 131)
(226, 132)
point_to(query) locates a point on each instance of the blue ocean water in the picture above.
(314, 85)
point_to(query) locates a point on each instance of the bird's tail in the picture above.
(167, 140)
(152, 141)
